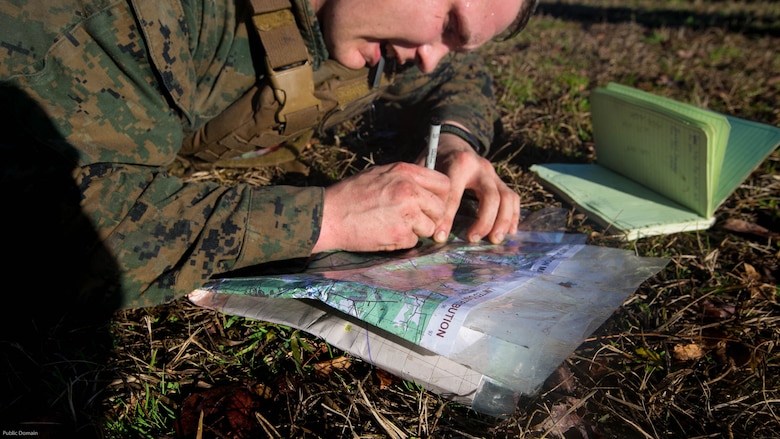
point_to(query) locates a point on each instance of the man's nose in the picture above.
(429, 55)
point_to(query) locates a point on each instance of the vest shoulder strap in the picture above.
(287, 61)
(288, 105)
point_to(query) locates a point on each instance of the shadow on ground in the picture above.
(58, 286)
(743, 22)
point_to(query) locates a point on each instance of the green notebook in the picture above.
(662, 166)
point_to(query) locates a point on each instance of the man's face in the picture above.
(418, 31)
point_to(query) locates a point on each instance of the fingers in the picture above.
(444, 227)
(498, 215)
(430, 180)
(499, 206)
(390, 207)
(383, 208)
(422, 191)
(419, 203)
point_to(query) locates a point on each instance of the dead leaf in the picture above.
(263, 391)
(719, 311)
(758, 288)
(227, 408)
(386, 379)
(692, 351)
(751, 272)
(324, 369)
(685, 54)
(561, 379)
(742, 226)
(563, 417)
(764, 292)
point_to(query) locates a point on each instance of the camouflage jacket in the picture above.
(114, 87)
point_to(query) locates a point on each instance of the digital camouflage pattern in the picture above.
(121, 84)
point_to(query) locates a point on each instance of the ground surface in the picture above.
(694, 353)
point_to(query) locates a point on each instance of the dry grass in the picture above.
(694, 353)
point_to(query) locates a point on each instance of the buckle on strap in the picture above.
(293, 88)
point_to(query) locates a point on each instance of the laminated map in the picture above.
(478, 323)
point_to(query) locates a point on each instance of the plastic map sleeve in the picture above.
(480, 323)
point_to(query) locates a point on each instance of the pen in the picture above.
(378, 69)
(433, 143)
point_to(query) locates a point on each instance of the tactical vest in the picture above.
(274, 120)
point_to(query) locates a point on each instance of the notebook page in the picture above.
(616, 202)
(656, 147)
(749, 144)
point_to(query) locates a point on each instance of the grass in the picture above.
(693, 353)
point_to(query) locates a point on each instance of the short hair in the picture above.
(527, 9)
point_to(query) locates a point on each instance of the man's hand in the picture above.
(499, 206)
(383, 208)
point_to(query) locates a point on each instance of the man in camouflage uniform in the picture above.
(98, 97)
(123, 85)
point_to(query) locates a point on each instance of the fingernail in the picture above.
(499, 237)
(474, 238)
(441, 236)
